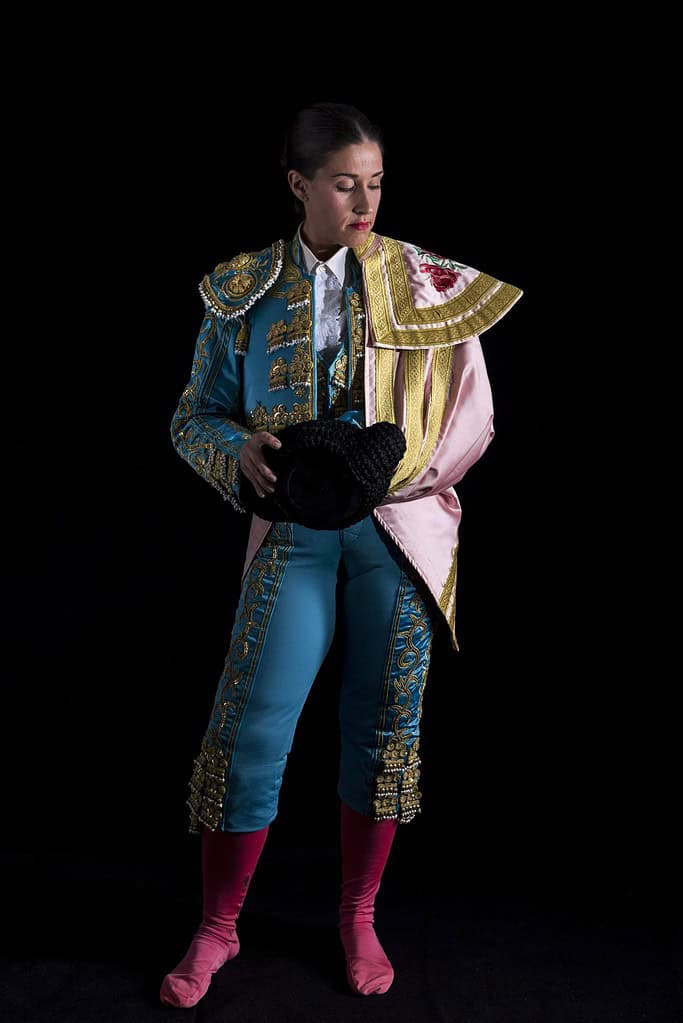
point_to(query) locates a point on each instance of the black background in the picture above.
(550, 730)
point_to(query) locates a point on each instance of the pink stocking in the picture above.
(229, 859)
(365, 847)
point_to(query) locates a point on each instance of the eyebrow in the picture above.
(347, 174)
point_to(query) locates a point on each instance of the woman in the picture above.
(337, 321)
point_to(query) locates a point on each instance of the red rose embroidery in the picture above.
(442, 278)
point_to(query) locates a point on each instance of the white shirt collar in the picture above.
(336, 263)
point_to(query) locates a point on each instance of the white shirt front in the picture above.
(330, 278)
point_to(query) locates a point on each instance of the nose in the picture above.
(363, 207)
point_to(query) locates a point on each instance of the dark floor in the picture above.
(471, 941)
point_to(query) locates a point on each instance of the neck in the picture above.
(319, 249)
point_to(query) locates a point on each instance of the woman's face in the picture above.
(346, 190)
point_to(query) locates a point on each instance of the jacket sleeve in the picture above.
(206, 430)
(462, 433)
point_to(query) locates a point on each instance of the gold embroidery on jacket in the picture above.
(300, 326)
(338, 377)
(238, 262)
(240, 284)
(215, 464)
(337, 383)
(281, 417)
(259, 418)
(277, 336)
(222, 471)
(290, 283)
(299, 333)
(277, 377)
(300, 368)
(242, 339)
(252, 269)
(299, 293)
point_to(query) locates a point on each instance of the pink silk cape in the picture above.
(425, 371)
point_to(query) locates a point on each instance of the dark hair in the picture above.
(317, 131)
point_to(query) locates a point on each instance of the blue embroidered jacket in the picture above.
(255, 364)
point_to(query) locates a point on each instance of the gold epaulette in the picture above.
(232, 287)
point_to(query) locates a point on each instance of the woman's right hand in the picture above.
(253, 464)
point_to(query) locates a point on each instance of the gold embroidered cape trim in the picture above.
(421, 437)
(398, 323)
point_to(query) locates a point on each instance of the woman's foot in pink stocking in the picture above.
(229, 859)
(365, 847)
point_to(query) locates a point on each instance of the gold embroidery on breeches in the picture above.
(396, 772)
(209, 781)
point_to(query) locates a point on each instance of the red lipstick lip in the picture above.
(361, 223)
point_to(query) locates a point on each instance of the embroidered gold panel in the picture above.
(395, 791)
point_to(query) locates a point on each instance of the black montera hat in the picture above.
(330, 473)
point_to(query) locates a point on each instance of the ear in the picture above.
(297, 184)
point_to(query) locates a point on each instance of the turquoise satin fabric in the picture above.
(283, 628)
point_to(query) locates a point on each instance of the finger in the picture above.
(261, 475)
(251, 472)
(260, 484)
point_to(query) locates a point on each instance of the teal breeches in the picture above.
(284, 626)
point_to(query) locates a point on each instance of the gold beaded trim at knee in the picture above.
(207, 788)
(398, 781)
